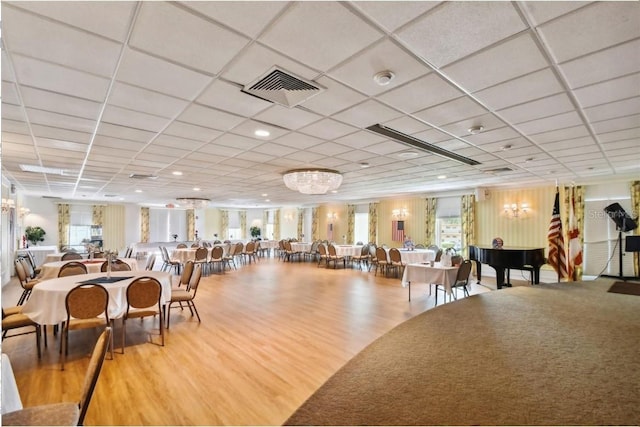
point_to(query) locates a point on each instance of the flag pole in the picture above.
(556, 241)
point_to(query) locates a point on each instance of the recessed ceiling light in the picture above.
(407, 154)
(196, 188)
(383, 78)
(473, 130)
(442, 176)
(262, 133)
(267, 200)
(177, 173)
(506, 147)
(528, 159)
(264, 194)
(334, 191)
(138, 191)
(364, 165)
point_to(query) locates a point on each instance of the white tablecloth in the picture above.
(300, 247)
(39, 253)
(348, 250)
(424, 273)
(11, 400)
(50, 270)
(46, 305)
(417, 256)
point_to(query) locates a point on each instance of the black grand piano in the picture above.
(530, 259)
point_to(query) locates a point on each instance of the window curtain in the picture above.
(373, 223)
(144, 225)
(243, 224)
(64, 217)
(635, 212)
(276, 224)
(300, 220)
(224, 223)
(430, 221)
(265, 221)
(314, 224)
(191, 224)
(578, 195)
(468, 220)
(351, 223)
(97, 217)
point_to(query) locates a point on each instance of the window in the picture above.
(449, 233)
(361, 227)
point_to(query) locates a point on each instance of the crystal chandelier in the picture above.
(193, 202)
(312, 181)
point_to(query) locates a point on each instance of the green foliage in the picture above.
(34, 234)
(255, 231)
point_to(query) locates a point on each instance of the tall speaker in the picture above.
(622, 219)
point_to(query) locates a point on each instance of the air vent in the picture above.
(51, 197)
(110, 195)
(497, 170)
(142, 176)
(420, 144)
(282, 87)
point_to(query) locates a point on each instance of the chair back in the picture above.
(187, 271)
(72, 268)
(420, 246)
(331, 249)
(116, 265)
(372, 249)
(163, 253)
(32, 260)
(322, 249)
(144, 292)
(239, 247)
(22, 275)
(206, 244)
(250, 248)
(28, 269)
(195, 280)
(464, 271)
(195, 245)
(128, 252)
(287, 246)
(364, 251)
(231, 251)
(70, 256)
(381, 254)
(181, 246)
(438, 255)
(151, 260)
(394, 255)
(217, 252)
(93, 372)
(201, 254)
(87, 301)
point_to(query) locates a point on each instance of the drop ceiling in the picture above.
(104, 90)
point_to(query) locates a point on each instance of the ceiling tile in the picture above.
(559, 121)
(543, 12)
(609, 91)
(289, 118)
(391, 15)
(366, 114)
(544, 107)
(145, 101)
(451, 111)
(615, 109)
(335, 98)
(421, 93)
(128, 118)
(208, 117)
(328, 129)
(229, 97)
(190, 131)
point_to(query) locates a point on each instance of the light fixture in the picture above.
(193, 202)
(312, 181)
(383, 78)
(513, 210)
(263, 133)
(177, 173)
(24, 212)
(400, 213)
(474, 130)
(331, 217)
(288, 217)
(7, 204)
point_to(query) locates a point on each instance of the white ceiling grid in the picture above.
(102, 90)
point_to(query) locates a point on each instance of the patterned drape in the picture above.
(430, 221)
(265, 221)
(97, 217)
(635, 212)
(314, 224)
(224, 223)
(64, 217)
(276, 224)
(300, 220)
(144, 225)
(243, 224)
(373, 223)
(468, 220)
(351, 223)
(191, 224)
(579, 215)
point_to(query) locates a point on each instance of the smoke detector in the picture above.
(383, 78)
(474, 130)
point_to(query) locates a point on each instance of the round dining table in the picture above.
(50, 270)
(46, 305)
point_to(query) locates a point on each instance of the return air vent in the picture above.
(283, 88)
(497, 170)
(142, 176)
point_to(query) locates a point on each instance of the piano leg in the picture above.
(500, 277)
(478, 271)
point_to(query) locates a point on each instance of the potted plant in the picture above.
(34, 234)
(255, 232)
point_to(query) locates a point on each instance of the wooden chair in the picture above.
(85, 304)
(323, 255)
(332, 256)
(68, 256)
(201, 257)
(186, 295)
(143, 300)
(187, 271)
(12, 318)
(217, 258)
(363, 258)
(72, 268)
(169, 263)
(116, 265)
(71, 413)
(32, 261)
(230, 256)
(382, 262)
(181, 246)
(395, 261)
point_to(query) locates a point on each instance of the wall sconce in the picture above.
(288, 217)
(513, 210)
(24, 212)
(332, 217)
(400, 213)
(7, 204)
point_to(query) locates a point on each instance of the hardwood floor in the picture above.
(271, 334)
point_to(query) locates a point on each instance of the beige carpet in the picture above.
(566, 354)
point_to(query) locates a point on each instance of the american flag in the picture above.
(575, 249)
(557, 258)
(397, 231)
